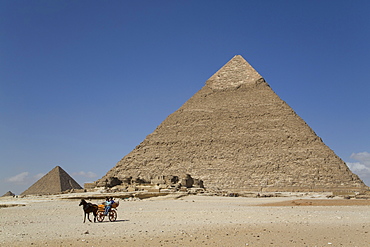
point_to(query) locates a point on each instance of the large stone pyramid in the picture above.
(54, 182)
(236, 134)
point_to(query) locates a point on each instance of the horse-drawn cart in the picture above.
(112, 214)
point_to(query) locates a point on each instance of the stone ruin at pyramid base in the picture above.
(235, 134)
(170, 183)
(163, 183)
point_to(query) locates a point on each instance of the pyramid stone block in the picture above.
(236, 134)
(54, 182)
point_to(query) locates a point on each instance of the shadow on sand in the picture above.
(107, 221)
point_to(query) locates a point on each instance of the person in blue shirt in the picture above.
(108, 204)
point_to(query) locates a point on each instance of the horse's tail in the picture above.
(95, 209)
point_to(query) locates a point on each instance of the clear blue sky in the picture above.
(83, 82)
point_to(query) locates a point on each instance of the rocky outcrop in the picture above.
(165, 182)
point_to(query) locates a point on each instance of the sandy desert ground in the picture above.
(189, 221)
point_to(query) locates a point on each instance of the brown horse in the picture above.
(89, 208)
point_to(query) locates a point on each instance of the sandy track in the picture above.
(188, 221)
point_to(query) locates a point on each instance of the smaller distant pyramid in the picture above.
(9, 193)
(54, 182)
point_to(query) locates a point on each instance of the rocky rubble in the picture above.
(156, 184)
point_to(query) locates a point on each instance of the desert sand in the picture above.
(189, 221)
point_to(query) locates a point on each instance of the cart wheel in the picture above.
(112, 215)
(100, 216)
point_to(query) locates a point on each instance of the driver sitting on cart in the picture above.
(108, 205)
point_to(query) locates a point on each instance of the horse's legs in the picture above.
(88, 214)
(84, 217)
(95, 214)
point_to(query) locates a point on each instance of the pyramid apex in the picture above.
(57, 169)
(234, 73)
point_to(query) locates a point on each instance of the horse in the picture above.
(89, 208)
